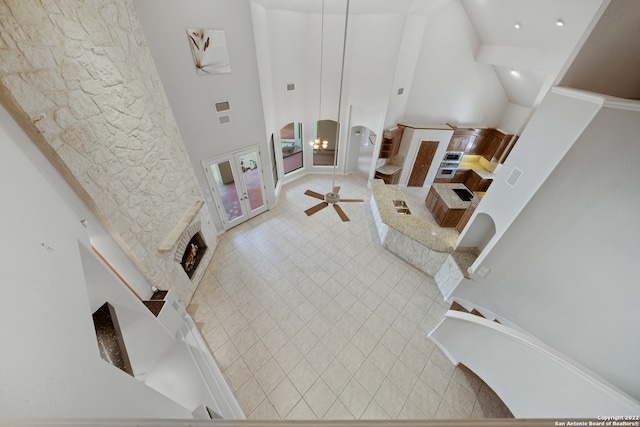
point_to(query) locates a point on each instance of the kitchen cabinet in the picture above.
(475, 182)
(467, 214)
(390, 144)
(470, 141)
(495, 145)
(444, 214)
(461, 175)
(389, 179)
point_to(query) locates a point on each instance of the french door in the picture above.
(237, 185)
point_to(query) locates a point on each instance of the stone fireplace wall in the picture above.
(78, 76)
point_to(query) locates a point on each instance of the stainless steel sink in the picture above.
(399, 203)
(403, 211)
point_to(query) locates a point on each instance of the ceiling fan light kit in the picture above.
(332, 197)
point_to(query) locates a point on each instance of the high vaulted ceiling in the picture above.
(526, 60)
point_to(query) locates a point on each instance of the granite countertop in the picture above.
(449, 197)
(415, 227)
(388, 169)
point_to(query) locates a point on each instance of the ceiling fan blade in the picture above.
(316, 208)
(351, 200)
(314, 194)
(343, 216)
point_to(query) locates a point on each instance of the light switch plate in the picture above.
(483, 271)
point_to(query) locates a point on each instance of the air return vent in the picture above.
(514, 177)
(224, 120)
(222, 106)
(291, 86)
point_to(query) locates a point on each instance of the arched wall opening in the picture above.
(481, 230)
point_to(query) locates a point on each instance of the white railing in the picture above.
(531, 378)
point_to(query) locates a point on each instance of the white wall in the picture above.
(411, 139)
(555, 126)
(515, 116)
(192, 96)
(566, 269)
(49, 360)
(412, 36)
(449, 85)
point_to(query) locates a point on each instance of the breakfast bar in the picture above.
(416, 240)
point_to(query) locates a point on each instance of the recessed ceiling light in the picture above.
(518, 25)
(560, 23)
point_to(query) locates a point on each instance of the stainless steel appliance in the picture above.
(449, 164)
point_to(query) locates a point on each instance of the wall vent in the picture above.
(291, 86)
(514, 177)
(224, 120)
(222, 106)
(400, 91)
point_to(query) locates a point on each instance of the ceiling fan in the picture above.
(332, 197)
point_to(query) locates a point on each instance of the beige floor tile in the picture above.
(288, 357)
(411, 412)
(351, 358)
(355, 398)
(374, 412)
(402, 377)
(237, 374)
(225, 355)
(262, 324)
(298, 297)
(336, 376)
(459, 398)
(390, 398)
(250, 395)
(303, 376)
(382, 358)
(301, 411)
(319, 357)
(435, 378)
(394, 342)
(445, 411)
(269, 375)
(284, 397)
(319, 397)
(369, 377)
(425, 399)
(338, 412)
(275, 339)
(245, 339)
(364, 341)
(256, 356)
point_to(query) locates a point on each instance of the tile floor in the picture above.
(310, 318)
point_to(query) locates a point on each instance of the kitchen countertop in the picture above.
(414, 227)
(388, 169)
(449, 197)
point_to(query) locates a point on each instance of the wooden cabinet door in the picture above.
(467, 215)
(421, 166)
(491, 146)
(473, 181)
(432, 199)
(461, 176)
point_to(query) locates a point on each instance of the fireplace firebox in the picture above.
(193, 253)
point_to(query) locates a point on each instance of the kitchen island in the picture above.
(416, 240)
(445, 205)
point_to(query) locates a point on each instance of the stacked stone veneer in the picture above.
(78, 76)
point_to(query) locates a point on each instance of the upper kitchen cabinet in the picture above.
(391, 142)
(496, 143)
(470, 141)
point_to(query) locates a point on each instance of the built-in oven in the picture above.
(447, 172)
(453, 156)
(449, 164)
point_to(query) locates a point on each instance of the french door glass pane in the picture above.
(226, 185)
(251, 177)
